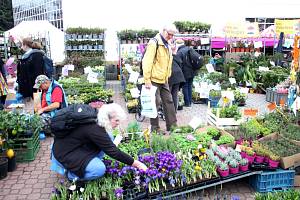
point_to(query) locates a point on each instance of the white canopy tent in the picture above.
(41, 29)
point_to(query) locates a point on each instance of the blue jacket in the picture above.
(64, 103)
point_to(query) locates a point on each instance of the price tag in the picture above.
(232, 80)
(195, 122)
(65, 71)
(118, 139)
(92, 77)
(228, 94)
(250, 112)
(263, 69)
(271, 106)
(258, 44)
(204, 41)
(87, 70)
(133, 77)
(71, 67)
(210, 68)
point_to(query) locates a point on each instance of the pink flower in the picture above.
(190, 137)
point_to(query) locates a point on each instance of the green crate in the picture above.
(26, 155)
(26, 148)
(29, 143)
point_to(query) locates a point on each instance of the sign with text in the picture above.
(289, 27)
(241, 29)
(250, 112)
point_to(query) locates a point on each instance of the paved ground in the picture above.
(34, 180)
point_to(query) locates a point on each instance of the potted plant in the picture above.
(273, 160)
(233, 166)
(223, 169)
(239, 98)
(250, 155)
(214, 97)
(260, 152)
(244, 165)
(3, 167)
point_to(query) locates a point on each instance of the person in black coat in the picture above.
(176, 80)
(187, 70)
(29, 67)
(81, 150)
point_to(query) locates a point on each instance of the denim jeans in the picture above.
(95, 169)
(187, 91)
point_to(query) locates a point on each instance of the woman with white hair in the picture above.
(82, 150)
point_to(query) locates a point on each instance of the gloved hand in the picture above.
(139, 165)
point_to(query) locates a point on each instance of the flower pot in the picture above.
(12, 163)
(3, 167)
(243, 154)
(250, 158)
(244, 168)
(223, 173)
(266, 160)
(233, 170)
(273, 163)
(259, 159)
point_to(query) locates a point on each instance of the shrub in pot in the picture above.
(244, 165)
(233, 166)
(223, 169)
(250, 155)
(274, 160)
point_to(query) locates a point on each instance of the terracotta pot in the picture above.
(244, 168)
(233, 170)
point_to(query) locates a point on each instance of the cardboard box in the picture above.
(297, 181)
(285, 162)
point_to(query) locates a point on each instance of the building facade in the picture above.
(31, 10)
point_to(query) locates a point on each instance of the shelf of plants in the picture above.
(186, 161)
(80, 90)
(85, 46)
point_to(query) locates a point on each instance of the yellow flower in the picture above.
(198, 168)
(203, 150)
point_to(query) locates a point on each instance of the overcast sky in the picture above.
(136, 14)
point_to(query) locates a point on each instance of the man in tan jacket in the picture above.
(157, 64)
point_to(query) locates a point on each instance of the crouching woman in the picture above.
(82, 150)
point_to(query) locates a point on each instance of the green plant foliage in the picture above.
(292, 194)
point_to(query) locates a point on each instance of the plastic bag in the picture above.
(148, 102)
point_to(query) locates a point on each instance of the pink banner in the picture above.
(220, 42)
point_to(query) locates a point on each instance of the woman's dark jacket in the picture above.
(177, 76)
(2, 69)
(187, 68)
(84, 143)
(30, 66)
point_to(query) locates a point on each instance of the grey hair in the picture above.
(170, 27)
(106, 112)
